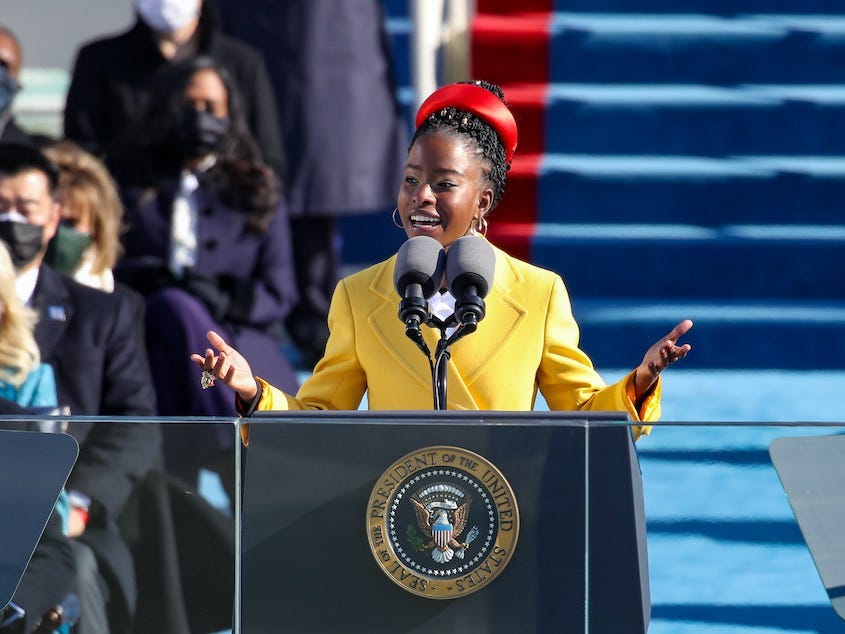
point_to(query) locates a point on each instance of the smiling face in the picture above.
(444, 189)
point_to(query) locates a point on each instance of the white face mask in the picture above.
(167, 15)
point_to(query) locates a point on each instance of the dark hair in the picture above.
(475, 132)
(16, 158)
(150, 150)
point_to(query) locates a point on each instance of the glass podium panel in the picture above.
(744, 527)
(162, 541)
(412, 521)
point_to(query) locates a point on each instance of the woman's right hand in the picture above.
(226, 364)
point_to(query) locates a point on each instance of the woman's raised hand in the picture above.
(660, 356)
(228, 365)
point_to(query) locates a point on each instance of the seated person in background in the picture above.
(208, 243)
(86, 246)
(454, 176)
(112, 78)
(10, 68)
(87, 243)
(27, 385)
(89, 340)
(23, 378)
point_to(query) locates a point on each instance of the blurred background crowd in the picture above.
(188, 173)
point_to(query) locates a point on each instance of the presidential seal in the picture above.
(442, 522)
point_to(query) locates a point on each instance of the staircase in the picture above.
(686, 158)
(691, 164)
(676, 160)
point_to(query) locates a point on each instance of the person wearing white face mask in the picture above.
(113, 76)
(169, 16)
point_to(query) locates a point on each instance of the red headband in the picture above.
(480, 102)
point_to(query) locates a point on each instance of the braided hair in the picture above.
(477, 136)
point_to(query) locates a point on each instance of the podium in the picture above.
(542, 513)
(33, 469)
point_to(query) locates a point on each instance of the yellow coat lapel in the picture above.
(471, 355)
(474, 353)
(384, 320)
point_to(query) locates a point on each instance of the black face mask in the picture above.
(200, 132)
(8, 89)
(23, 239)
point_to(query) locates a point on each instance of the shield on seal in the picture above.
(441, 530)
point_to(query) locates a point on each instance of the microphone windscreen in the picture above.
(470, 261)
(420, 260)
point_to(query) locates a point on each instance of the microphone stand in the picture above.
(411, 310)
(442, 355)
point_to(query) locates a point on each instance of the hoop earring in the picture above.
(481, 226)
(395, 213)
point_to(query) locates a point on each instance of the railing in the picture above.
(724, 547)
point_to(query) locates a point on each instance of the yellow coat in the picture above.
(527, 340)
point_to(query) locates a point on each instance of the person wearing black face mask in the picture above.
(10, 66)
(207, 243)
(89, 339)
(113, 77)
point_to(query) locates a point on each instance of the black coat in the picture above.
(90, 340)
(13, 133)
(113, 77)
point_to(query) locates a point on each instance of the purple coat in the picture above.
(226, 246)
(252, 272)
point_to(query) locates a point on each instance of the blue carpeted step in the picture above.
(397, 8)
(399, 31)
(762, 334)
(682, 261)
(695, 190)
(367, 239)
(656, 48)
(695, 120)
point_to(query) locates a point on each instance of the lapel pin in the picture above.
(56, 313)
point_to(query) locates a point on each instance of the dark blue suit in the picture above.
(89, 338)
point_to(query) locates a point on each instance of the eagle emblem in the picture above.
(442, 521)
(437, 527)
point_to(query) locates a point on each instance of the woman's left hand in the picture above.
(660, 356)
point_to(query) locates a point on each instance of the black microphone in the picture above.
(470, 267)
(417, 276)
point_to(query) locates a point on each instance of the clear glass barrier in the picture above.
(723, 551)
(169, 530)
